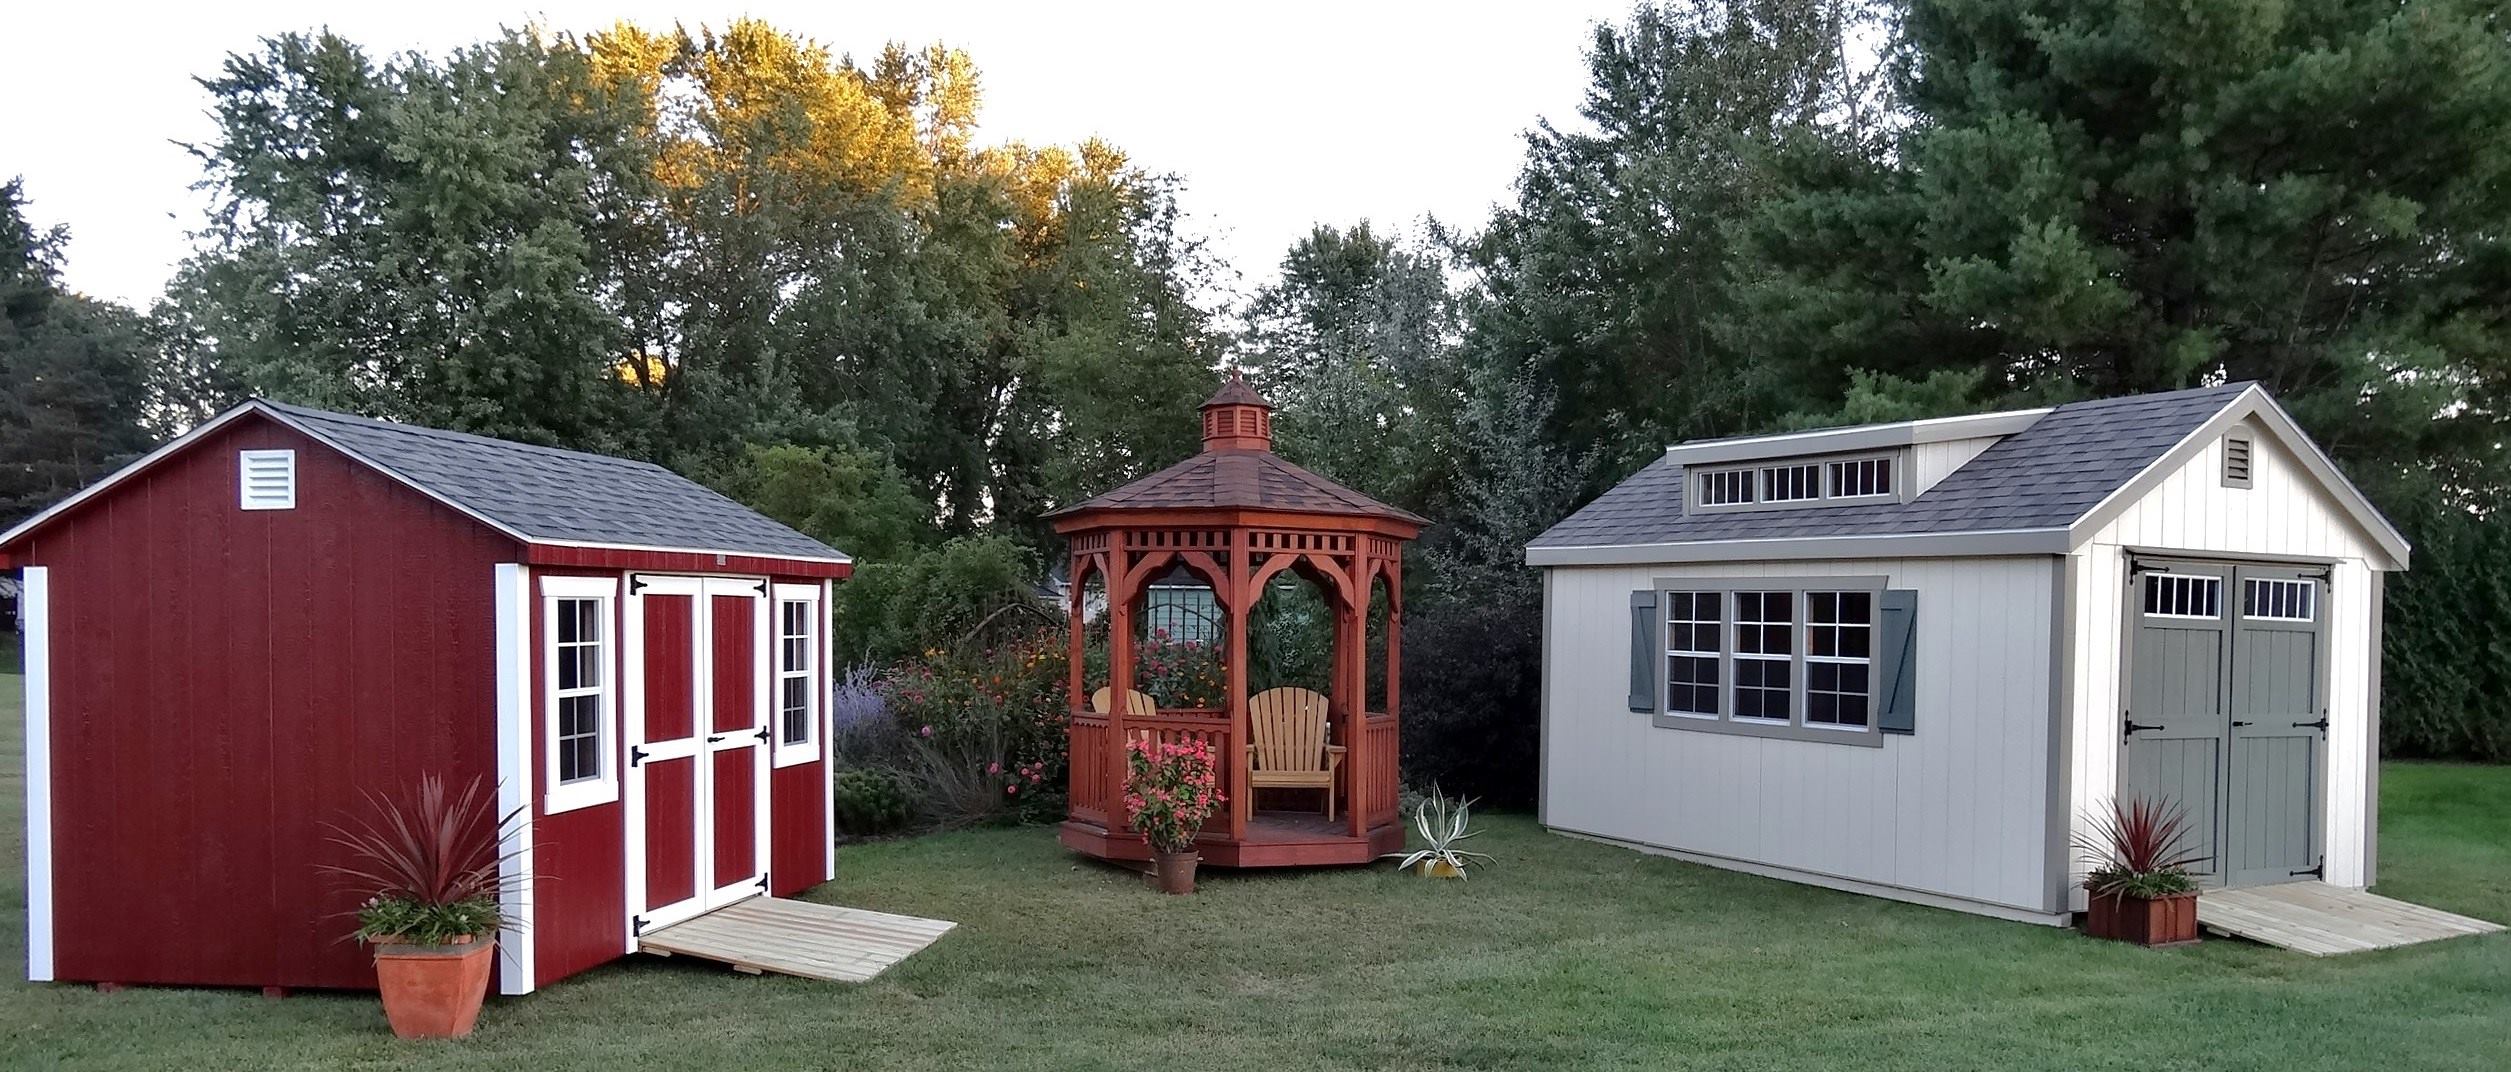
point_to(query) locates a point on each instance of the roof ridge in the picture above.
(431, 432)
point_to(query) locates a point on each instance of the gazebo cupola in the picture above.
(1238, 517)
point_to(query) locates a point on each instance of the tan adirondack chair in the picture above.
(1137, 703)
(1286, 746)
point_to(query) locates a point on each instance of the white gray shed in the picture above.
(1906, 659)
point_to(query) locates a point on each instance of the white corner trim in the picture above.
(588, 792)
(828, 730)
(518, 963)
(35, 612)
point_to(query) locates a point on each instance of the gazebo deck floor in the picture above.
(1274, 839)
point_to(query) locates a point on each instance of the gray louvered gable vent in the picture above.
(267, 479)
(2237, 450)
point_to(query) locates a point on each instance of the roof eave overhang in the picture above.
(1896, 545)
(117, 477)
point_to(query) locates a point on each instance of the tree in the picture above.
(1355, 344)
(2135, 196)
(73, 372)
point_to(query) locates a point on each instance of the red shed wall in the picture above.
(225, 682)
(797, 843)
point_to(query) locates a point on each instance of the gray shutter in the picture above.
(1643, 651)
(1896, 663)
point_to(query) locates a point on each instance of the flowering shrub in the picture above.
(982, 733)
(1171, 789)
(1180, 673)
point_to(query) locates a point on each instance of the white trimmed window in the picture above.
(2179, 595)
(2269, 599)
(1695, 627)
(1797, 482)
(797, 673)
(1765, 655)
(579, 653)
(1791, 483)
(1726, 487)
(1860, 478)
(1839, 659)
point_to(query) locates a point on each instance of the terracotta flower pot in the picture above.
(1174, 871)
(434, 991)
(1438, 869)
(2150, 921)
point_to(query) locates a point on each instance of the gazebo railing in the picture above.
(1373, 791)
(1097, 797)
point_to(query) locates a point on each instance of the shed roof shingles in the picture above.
(564, 496)
(2043, 477)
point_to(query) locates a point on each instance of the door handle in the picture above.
(2240, 723)
(714, 738)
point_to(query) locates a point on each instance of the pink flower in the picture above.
(994, 768)
(925, 732)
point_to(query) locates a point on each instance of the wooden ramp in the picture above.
(2322, 920)
(815, 941)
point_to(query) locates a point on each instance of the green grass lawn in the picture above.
(1568, 955)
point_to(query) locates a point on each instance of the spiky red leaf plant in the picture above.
(427, 863)
(2138, 847)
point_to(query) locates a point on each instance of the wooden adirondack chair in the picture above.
(1286, 746)
(1137, 703)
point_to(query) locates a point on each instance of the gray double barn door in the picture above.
(2226, 716)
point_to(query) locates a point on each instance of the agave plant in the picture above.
(1443, 825)
(2138, 849)
(427, 864)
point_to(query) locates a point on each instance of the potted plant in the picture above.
(1443, 826)
(2139, 883)
(427, 865)
(1171, 787)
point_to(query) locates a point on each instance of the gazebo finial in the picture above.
(1236, 417)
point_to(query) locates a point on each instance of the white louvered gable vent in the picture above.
(2237, 450)
(267, 479)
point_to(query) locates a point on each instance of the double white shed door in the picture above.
(2227, 712)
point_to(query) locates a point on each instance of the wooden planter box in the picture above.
(2155, 921)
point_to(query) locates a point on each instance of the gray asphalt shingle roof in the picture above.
(2043, 477)
(563, 496)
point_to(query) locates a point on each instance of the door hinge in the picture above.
(763, 738)
(762, 882)
(636, 755)
(638, 583)
(2317, 870)
(2133, 726)
(2321, 725)
(636, 926)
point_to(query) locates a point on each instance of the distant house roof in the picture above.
(533, 493)
(2049, 471)
(1246, 479)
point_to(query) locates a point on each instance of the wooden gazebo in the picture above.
(1238, 517)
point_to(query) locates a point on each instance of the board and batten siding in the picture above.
(2283, 515)
(1930, 463)
(1959, 810)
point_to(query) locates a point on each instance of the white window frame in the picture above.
(1772, 481)
(245, 460)
(1874, 637)
(1743, 481)
(2144, 601)
(1799, 659)
(1891, 476)
(1715, 652)
(2307, 588)
(604, 787)
(790, 753)
(1795, 624)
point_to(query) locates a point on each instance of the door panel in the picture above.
(667, 748)
(736, 743)
(736, 832)
(2225, 715)
(2176, 722)
(2279, 731)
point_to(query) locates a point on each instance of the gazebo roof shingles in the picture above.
(1240, 479)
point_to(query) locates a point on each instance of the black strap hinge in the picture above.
(2317, 870)
(636, 755)
(763, 738)
(2321, 726)
(636, 926)
(762, 883)
(2133, 726)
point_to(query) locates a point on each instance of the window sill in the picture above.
(589, 794)
(793, 755)
(1865, 738)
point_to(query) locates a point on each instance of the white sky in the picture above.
(1277, 115)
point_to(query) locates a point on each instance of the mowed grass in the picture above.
(1567, 955)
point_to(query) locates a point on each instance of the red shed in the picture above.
(234, 638)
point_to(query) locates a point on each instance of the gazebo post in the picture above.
(1239, 601)
(1119, 687)
(1351, 694)
(1394, 637)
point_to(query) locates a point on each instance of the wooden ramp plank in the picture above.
(2324, 920)
(804, 938)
